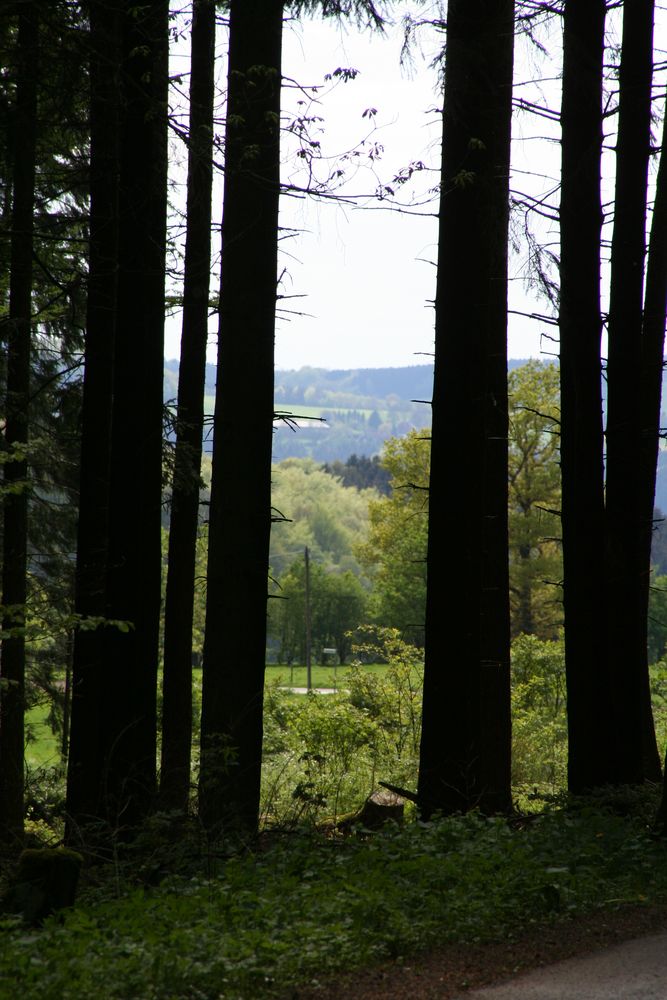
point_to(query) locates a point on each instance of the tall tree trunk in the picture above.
(626, 565)
(465, 747)
(240, 511)
(589, 708)
(85, 764)
(653, 349)
(16, 432)
(134, 569)
(177, 684)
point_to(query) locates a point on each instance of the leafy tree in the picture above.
(362, 472)
(321, 513)
(338, 603)
(534, 500)
(395, 553)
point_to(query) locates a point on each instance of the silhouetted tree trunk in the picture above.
(653, 349)
(134, 568)
(240, 511)
(177, 685)
(17, 335)
(465, 747)
(85, 764)
(626, 563)
(589, 707)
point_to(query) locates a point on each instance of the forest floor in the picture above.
(451, 971)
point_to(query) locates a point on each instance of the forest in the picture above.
(271, 714)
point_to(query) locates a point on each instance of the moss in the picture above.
(45, 882)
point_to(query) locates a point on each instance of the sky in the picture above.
(359, 277)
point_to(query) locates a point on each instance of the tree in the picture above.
(465, 743)
(534, 500)
(240, 515)
(240, 510)
(184, 521)
(361, 471)
(395, 552)
(580, 323)
(128, 725)
(337, 606)
(18, 333)
(320, 513)
(85, 765)
(626, 562)
(652, 361)
(607, 518)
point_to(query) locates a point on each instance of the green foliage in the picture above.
(323, 515)
(395, 552)
(325, 753)
(534, 499)
(361, 472)
(337, 605)
(539, 721)
(305, 907)
(657, 619)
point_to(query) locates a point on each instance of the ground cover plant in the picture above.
(305, 905)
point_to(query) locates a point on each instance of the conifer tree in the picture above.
(18, 335)
(184, 521)
(465, 745)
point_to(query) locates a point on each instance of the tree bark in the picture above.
(134, 565)
(589, 708)
(653, 349)
(465, 747)
(177, 683)
(240, 511)
(626, 562)
(18, 329)
(85, 765)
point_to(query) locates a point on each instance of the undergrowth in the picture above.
(305, 906)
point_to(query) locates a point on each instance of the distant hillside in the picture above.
(353, 411)
(329, 415)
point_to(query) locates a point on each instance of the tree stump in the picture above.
(45, 882)
(378, 808)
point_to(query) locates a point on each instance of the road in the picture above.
(634, 970)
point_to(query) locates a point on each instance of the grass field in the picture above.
(322, 677)
(43, 748)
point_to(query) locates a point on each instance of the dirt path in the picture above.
(636, 968)
(447, 973)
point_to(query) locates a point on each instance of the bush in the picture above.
(325, 753)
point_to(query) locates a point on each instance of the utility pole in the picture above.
(308, 638)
